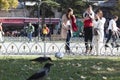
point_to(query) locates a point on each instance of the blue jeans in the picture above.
(29, 35)
(67, 47)
(113, 36)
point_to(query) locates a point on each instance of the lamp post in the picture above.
(39, 25)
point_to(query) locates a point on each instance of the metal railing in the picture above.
(21, 46)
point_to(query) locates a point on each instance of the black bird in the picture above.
(42, 73)
(42, 59)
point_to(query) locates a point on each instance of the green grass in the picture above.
(68, 68)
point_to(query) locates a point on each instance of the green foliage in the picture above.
(116, 9)
(13, 3)
(46, 8)
(8, 4)
(50, 3)
(4, 4)
(77, 5)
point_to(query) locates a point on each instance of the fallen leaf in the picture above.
(83, 77)
(105, 78)
(110, 69)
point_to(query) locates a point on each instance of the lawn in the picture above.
(68, 68)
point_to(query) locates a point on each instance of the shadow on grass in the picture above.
(63, 69)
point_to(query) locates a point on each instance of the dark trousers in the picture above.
(88, 36)
(43, 37)
(67, 46)
(112, 35)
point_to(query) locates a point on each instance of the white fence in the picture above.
(51, 47)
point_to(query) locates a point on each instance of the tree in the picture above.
(116, 9)
(46, 8)
(77, 5)
(8, 4)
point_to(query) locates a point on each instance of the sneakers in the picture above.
(87, 51)
(91, 51)
(117, 45)
(106, 45)
(113, 45)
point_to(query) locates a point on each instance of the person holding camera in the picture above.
(98, 30)
(88, 16)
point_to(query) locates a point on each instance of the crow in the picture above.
(42, 59)
(41, 73)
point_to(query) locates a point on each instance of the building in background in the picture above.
(17, 19)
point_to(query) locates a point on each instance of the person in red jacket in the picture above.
(88, 25)
(68, 26)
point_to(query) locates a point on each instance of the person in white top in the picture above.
(113, 32)
(66, 30)
(98, 24)
(1, 32)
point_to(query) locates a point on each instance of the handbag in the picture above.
(96, 31)
(74, 26)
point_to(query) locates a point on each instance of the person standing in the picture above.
(113, 32)
(45, 31)
(30, 31)
(88, 16)
(98, 24)
(1, 32)
(66, 30)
